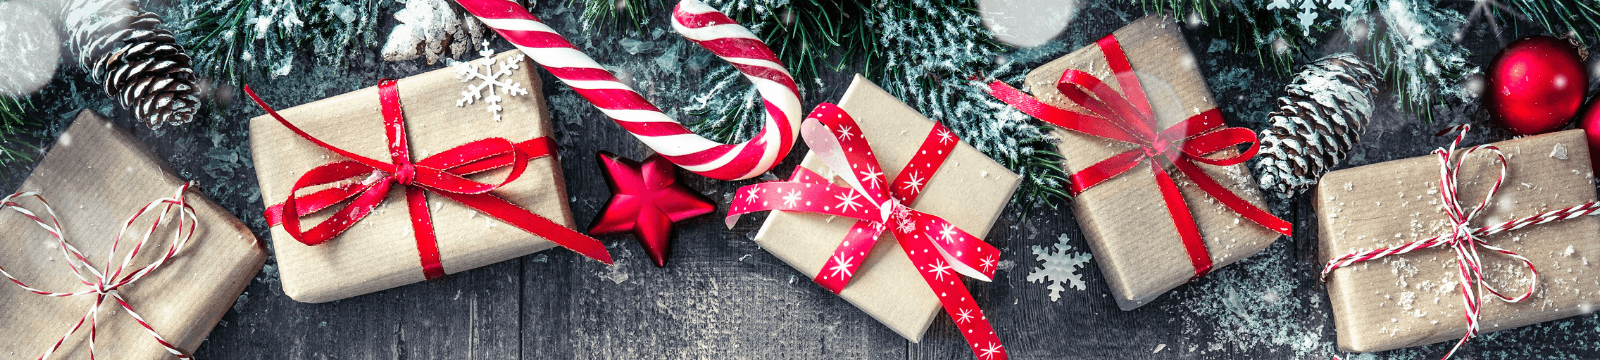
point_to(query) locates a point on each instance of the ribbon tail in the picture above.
(422, 229)
(1233, 201)
(954, 297)
(534, 224)
(1183, 221)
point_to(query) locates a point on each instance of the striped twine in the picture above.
(103, 283)
(1464, 239)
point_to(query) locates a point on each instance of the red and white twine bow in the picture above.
(1127, 117)
(940, 251)
(700, 24)
(1465, 239)
(104, 282)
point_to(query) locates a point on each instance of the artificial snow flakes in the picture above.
(489, 79)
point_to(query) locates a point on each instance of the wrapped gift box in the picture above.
(1129, 231)
(95, 177)
(1414, 299)
(379, 252)
(970, 191)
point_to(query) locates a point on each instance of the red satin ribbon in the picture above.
(443, 174)
(940, 251)
(1126, 117)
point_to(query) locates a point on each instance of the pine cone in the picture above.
(1317, 124)
(435, 29)
(140, 65)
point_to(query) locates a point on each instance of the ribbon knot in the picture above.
(103, 282)
(938, 249)
(444, 174)
(1465, 239)
(405, 173)
(1127, 117)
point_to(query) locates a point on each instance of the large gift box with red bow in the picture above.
(411, 180)
(1161, 190)
(154, 291)
(888, 211)
(1502, 237)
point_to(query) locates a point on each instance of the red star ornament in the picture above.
(646, 199)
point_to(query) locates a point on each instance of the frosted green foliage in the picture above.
(1409, 41)
(238, 40)
(938, 58)
(1059, 265)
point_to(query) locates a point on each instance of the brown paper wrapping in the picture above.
(1129, 231)
(1414, 299)
(380, 253)
(969, 191)
(95, 177)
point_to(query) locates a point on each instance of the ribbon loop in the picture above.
(941, 252)
(444, 174)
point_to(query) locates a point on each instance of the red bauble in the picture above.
(1589, 120)
(646, 199)
(1535, 85)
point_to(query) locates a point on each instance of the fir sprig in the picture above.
(240, 40)
(1409, 41)
(606, 15)
(13, 118)
(1579, 18)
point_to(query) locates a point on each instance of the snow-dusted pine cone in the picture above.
(1317, 123)
(140, 65)
(433, 29)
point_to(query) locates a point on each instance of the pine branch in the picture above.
(241, 40)
(608, 15)
(1579, 18)
(13, 117)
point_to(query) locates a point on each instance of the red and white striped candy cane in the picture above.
(699, 23)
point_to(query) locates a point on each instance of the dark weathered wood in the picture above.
(721, 296)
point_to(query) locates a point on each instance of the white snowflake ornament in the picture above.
(489, 78)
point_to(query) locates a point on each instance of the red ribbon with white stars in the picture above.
(1126, 117)
(1465, 239)
(940, 251)
(104, 282)
(444, 174)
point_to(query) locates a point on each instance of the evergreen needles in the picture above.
(13, 117)
(239, 40)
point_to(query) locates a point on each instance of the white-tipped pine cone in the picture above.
(141, 66)
(433, 29)
(1317, 123)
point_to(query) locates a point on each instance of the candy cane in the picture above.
(700, 24)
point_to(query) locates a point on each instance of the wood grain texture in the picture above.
(722, 296)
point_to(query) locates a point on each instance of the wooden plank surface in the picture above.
(721, 296)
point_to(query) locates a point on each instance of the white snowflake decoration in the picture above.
(1059, 265)
(490, 80)
(1308, 10)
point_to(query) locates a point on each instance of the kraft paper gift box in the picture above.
(1124, 219)
(380, 252)
(95, 177)
(969, 191)
(1414, 299)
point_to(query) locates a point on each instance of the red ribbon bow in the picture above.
(937, 248)
(1126, 117)
(443, 174)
